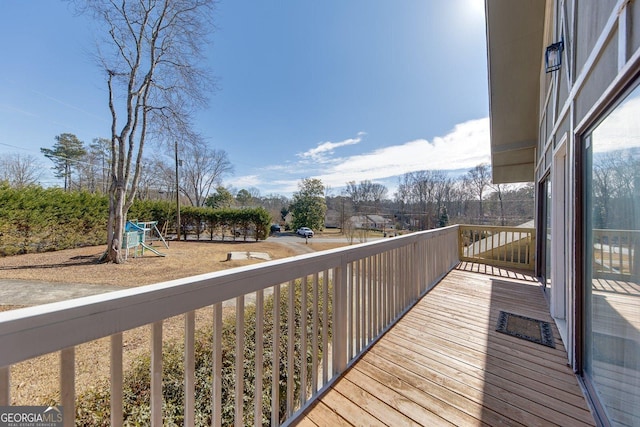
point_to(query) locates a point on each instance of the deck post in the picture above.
(67, 385)
(156, 374)
(5, 385)
(116, 370)
(340, 327)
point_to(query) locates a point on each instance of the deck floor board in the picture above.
(443, 363)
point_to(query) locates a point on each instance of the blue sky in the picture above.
(342, 90)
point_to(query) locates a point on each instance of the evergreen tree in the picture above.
(309, 205)
(66, 152)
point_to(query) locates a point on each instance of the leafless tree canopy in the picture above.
(478, 179)
(20, 171)
(201, 170)
(366, 195)
(151, 55)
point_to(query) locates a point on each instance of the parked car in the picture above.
(305, 231)
(275, 228)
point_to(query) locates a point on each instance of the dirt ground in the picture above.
(35, 382)
(183, 259)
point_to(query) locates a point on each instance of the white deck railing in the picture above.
(369, 286)
(511, 247)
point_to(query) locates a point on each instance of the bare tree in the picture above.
(151, 59)
(20, 171)
(202, 170)
(423, 184)
(500, 190)
(93, 167)
(365, 193)
(478, 179)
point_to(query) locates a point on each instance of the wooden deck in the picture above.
(443, 363)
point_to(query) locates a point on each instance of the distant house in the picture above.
(371, 222)
(332, 219)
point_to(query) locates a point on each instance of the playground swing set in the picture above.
(137, 234)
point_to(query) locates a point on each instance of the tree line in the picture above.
(422, 200)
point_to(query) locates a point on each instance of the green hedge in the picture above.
(37, 219)
(92, 407)
(226, 222)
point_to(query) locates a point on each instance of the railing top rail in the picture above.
(613, 230)
(497, 228)
(33, 331)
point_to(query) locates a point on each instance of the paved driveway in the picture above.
(27, 293)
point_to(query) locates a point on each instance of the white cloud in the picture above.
(246, 181)
(321, 152)
(621, 129)
(466, 146)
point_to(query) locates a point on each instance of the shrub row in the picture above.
(225, 222)
(37, 219)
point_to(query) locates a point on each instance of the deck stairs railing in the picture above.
(615, 253)
(511, 247)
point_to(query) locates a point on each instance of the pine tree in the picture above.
(66, 152)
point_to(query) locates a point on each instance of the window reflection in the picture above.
(612, 251)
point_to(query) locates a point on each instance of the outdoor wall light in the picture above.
(553, 57)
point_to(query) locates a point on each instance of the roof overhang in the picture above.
(514, 50)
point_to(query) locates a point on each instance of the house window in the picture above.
(611, 262)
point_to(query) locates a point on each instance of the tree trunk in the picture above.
(115, 227)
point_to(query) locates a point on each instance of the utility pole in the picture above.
(177, 195)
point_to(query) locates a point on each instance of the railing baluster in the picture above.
(216, 386)
(303, 341)
(610, 246)
(67, 385)
(358, 304)
(339, 322)
(387, 288)
(314, 337)
(325, 327)
(416, 270)
(364, 302)
(392, 283)
(189, 369)
(239, 381)
(350, 313)
(374, 284)
(5, 385)
(513, 244)
(156, 374)
(275, 363)
(291, 338)
(402, 266)
(257, 408)
(620, 250)
(369, 280)
(116, 380)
